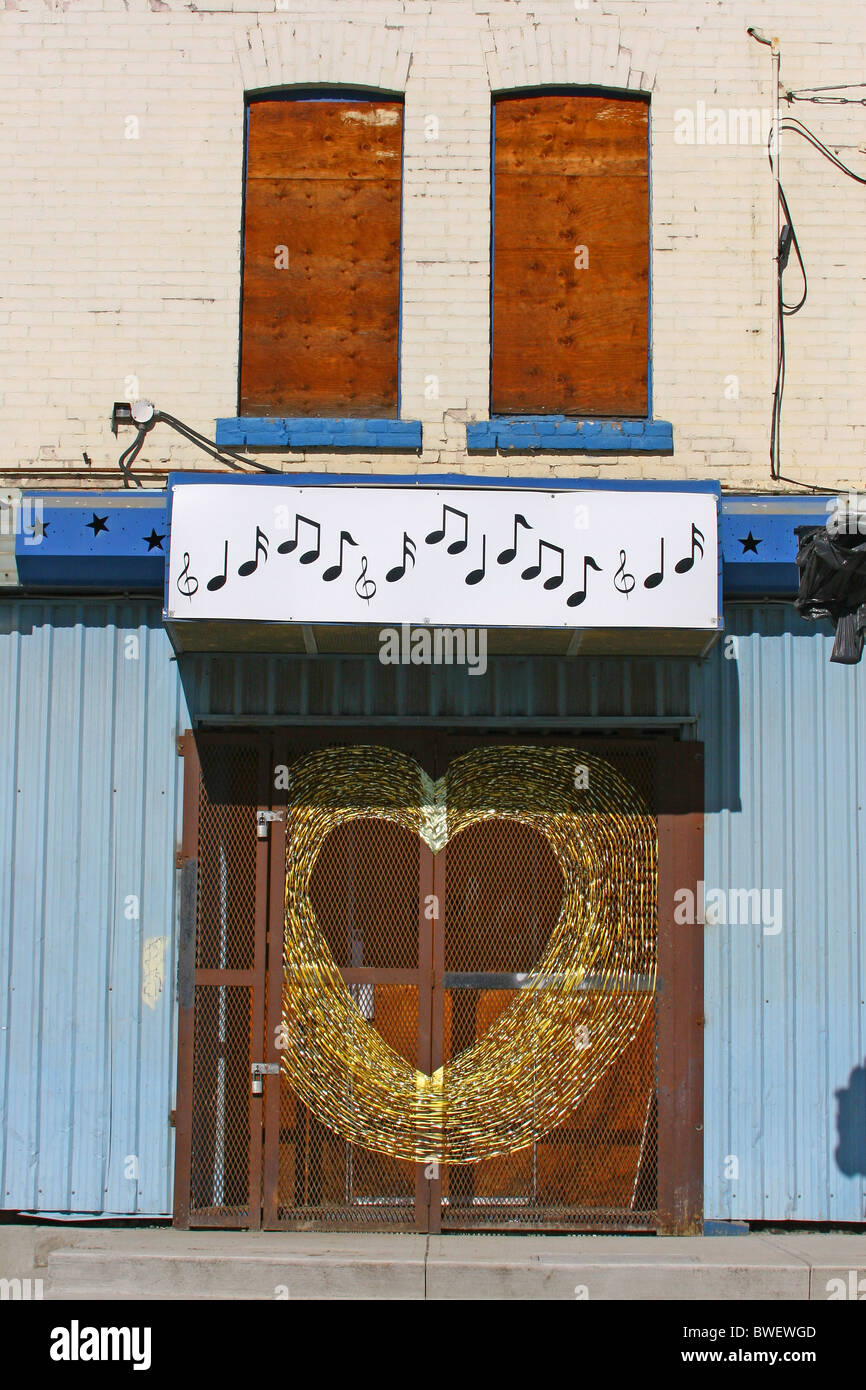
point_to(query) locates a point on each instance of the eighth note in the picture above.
(506, 556)
(334, 571)
(652, 581)
(574, 600)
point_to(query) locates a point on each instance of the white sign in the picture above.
(473, 557)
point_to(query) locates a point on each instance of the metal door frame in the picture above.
(189, 976)
(679, 816)
(424, 748)
(679, 813)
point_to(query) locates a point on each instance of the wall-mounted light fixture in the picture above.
(140, 413)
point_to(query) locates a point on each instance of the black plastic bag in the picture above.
(832, 565)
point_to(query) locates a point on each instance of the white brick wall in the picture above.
(121, 257)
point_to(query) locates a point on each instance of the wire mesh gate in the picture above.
(250, 1150)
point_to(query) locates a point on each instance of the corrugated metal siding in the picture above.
(89, 822)
(785, 1083)
(93, 816)
(225, 689)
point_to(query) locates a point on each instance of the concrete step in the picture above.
(91, 1263)
(246, 1266)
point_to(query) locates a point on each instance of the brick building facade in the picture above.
(122, 220)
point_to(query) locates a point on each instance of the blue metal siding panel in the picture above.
(70, 972)
(159, 906)
(93, 817)
(127, 1011)
(88, 763)
(785, 1012)
(27, 991)
(9, 651)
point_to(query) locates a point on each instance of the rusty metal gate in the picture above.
(252, 1152)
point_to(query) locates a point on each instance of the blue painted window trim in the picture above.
(524, 433)
(311, 432)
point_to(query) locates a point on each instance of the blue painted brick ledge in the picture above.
(520, 433)
(315, 433)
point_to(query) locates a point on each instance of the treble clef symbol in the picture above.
(186, 582)
(365, 588)
(626, 585)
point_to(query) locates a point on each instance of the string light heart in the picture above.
(582, 1005)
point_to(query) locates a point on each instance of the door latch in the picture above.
(260, 1069)
(263, 820)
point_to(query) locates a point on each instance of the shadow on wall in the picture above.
(719, 704)
(851, 1123)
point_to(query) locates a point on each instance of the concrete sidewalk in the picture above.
(101, 1263)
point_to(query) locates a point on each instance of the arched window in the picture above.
(321, 256)
(570, 331)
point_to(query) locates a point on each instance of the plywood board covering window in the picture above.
(571, 255)
(321, 275)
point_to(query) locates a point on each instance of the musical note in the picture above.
(286, 547)
(475, 576)
(627, 579)
(652, 581)
(683, 566)
(506, 556)
(220, 579)
(574, 600)
(455, 547)
(334, 571)
(408, 554)
(535, 570)
(250, 566)
(188, 579)
(365, 588)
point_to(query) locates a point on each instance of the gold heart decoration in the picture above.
(549, 1047)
